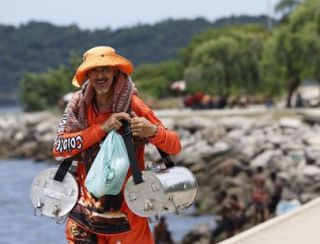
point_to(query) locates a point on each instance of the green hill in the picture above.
(38, 46)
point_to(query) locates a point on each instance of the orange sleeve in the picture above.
(165, 139)
(70, 144)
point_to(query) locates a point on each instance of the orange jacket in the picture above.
(70, 144)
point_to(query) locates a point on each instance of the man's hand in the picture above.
(142, 127)
(113, 122)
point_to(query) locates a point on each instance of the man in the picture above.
(260, 196)
(276, 192)
(161, 233)
(101, 105)
(226, 221)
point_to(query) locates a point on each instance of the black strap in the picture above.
(127, 137)
(128, 141)
(63, 169)
(166, 159)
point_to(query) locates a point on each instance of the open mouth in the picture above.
(101, 81)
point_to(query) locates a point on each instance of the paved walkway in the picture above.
(301, 226)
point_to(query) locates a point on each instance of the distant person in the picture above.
(299, 100)
(240, 217)
(196, 100)
(243, 102)
(269, 102)
(188, 101)
(207, 102)
(276, 192)
(161, 233)
(226, 221)
(222, 102)
(259, 196)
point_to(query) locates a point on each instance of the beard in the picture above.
(103, 91)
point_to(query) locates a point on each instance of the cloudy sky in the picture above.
(98, 14)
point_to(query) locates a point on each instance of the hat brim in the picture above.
(113, 60)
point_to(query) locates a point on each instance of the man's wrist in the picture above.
(105, 128)
(155, 130)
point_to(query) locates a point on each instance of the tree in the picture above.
(41, 91)
(283, 61)
(287, 6)
(291, 54)
(154, 79)
(225, 61)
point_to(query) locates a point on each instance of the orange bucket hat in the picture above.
(100, 56)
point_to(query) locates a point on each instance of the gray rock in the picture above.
(290, 123)
(311, 139)
(264, 158)
(194, 124)
(232, 123)
(222, 153)
(311, 171)
(312, 154)
(213, 134)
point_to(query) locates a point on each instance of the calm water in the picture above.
(12, 109)
(18, 225)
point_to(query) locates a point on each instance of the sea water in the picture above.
(19, 225)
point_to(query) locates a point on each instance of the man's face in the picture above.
(101, 78)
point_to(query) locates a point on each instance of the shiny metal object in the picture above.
(53, 198)
(162, 190)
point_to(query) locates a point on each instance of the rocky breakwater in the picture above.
(223, 154)
(27, 135)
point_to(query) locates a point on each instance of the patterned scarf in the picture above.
(75, 113)
(76, 120)
(76, 110)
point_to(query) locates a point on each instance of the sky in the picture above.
(100, 14)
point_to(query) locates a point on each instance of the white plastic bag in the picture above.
(109, 169)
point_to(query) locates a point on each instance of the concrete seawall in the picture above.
(301, 226)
